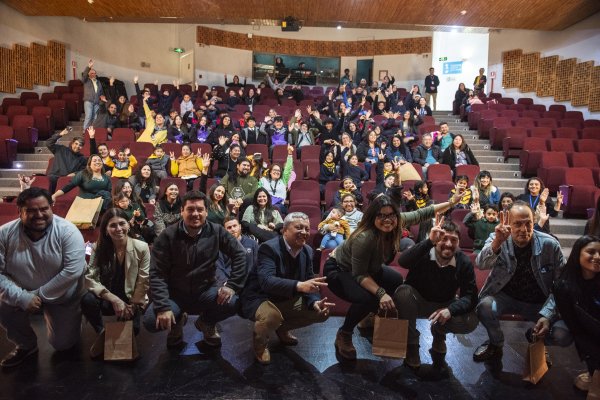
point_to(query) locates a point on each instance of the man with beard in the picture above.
(107, 116)
(183, 274)
(240, 185)
(436, 270)
(42, 265)
(68, 160)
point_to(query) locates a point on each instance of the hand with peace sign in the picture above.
(437, 233)
(503, 231)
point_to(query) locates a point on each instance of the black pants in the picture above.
(94, 308)
(53, 180)
(343, 285)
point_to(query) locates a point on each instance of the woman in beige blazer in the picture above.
(117, 278)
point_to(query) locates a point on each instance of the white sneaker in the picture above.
(582, 382)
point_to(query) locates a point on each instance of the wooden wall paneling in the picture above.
(23, 76)
(582, 74)
(530, 64)
(8, 78)
(594, 100)
(511, 68)
(58, 62)
(546, 77)
(40, 61)
(563, 87)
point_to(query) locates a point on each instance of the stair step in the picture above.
(498, 166)
(497, 159)
(14, 173)
(33, 157)
(503, 174)
(510, 183)
(565, 240)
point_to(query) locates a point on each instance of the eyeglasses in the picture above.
(383, 217)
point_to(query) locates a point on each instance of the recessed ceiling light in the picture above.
(91, 1)
(463, 12)
(339, 27)
(454, 30)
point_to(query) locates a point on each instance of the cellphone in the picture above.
(69, 128)
(88, 249)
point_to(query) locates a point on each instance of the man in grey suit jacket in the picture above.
(92, 90)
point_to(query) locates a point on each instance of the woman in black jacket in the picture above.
(129, 118)
(423, 109)
(224, 128)
(253, 97)
(368, 151)
(328, 160)
(577, 297)
(178, 131)
(351, 169)
(461, 93)
(458, 153)
(409, 126)
(227, 159)
(236, 82)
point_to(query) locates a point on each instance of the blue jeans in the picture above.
(330, 242)
(205, 302)
(468, 108)
(91, 112)
(490, 309)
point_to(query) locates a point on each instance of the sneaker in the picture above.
(175, 337)
(211, 336)
(320, 248)
(439, 341)
(344, 346)
(98, 347)
(582, 382)
(486, 351)
(368, 322)
(413, 358)
(17, 356)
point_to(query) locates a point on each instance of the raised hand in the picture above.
(475, 195)
(381, 156)
(135, 79)
(103, 98)
(172, 156)
(298, 114)
(383, 145)
(199, 153)
(267, 118)
(90, 63)
(127, 152)
(196, 85)
(559, 198)
(330, 95)
(91, 132)
(309, 109)
(474, 209)
(544, 196)
(112, 152)
(258, 91)
(290, 149)
(222, 140)
(112, 80)
(136, 213)
(205, 163)
(322, 307)
(503, 230)
(409, 196)
(156, 82)
(437, 233)
(25, 181)
(241, 92)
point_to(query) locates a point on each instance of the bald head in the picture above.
(521, 223)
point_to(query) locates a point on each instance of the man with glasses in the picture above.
(353, 215)
(436, 270)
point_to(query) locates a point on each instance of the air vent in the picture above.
(145, 64)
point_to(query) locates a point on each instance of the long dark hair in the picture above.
(104, 249)
(183, 127)
(463, 145)
(165, 195)
(259, 161)
(268, 210)
(571, 279)
(595, 221)
(152, 180)
(477, 184)
(401, 148)
(118, 188)
(228, 127)
(535, 178)
(88, 170)
(506, 194)
(367, 223)
(214, 205)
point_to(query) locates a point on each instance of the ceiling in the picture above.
(549, 15)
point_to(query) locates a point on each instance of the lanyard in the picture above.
(536, 199)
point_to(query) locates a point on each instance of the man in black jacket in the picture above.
(436, 271)
(68, 160)
(107, 116)
(427, 153)
(431, 84)
(182, 274)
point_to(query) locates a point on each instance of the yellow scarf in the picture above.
(330, 166)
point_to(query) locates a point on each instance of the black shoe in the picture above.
(486, 351)
(17, 356)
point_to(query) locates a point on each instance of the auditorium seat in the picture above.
(527, 101)
(466, 235)
(552, 170)
(506, 101)
(540, 108)
(531, 155)
(60, 113)
(586, 160)
(568, 133)
(28, 96)
(511, 114)
(280, 153)
(123, 134)
(571, 123)
(172, 147)
(310, 153)
(512, 142)
(8, 102)
(365, 190)
(4, 120)
(43, 121)
(165, 182)
(8, 146)
(14, 111)
(485, 122)
(564, 145)
(341, 307)
(470, 170)
(526, 123)
(74, 106)
(331, 188)
(306, 192)
(579, 188)
(312, 170)
(590, 133)
(69, 197)
(553, 114)
(100, 134)
(25, 132)
(534, 115)
(60, 90)
(542, 132)
(32, 103)
(547, 123)
(591, 123)
(48, 96)
(204, 148)
(440, 191)
(588, 146)
(263, 149)
(519, 108)
(499, 124)
(560, 108)
(141, 149)
(474, 115)
(439, 172)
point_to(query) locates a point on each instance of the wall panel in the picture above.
(563, 88)
(530, 64)
(511, 73)
(23, 76)
(8, 79)
(582, 74)
(546, 77)
(594, 102)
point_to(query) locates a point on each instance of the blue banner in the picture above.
(454, 67)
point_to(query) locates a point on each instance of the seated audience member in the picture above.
(235, 82)
(327, 130)
(42, 269)
(216, 197)
(92, 183)
(122, 164)
(128, 118)
(351, 169)
(277, 133)
(592, 226)
(347, 146)
(144, 183)
(107, 116)
(398, 151)
(117, 277)
(156, 127)
(101, 149)
(228, 160)
(483, 226)
(68, 160)
(239, 185)
(358, 273)
(201, 130)
(488, 193)
(427, 154)
(473, 100)
(347, 186)
(123, 185)
(445, 138)
(187, 249)
(353, 215)
(506, 199)
(577, 299)
(275, 182)
(519, 282)
(368, 151)
(436, 271)
(458, 153)
(413, 98)
(467, 98)
(275, 84)
(461, 93)
(536, 194)
(211, 95)
(178, 131)
(252, 98)
(281, 293)
(165, 99)
(250, 134)
(259, 167)
(234, 227)
(232, 100)
(338, 229)
(418, 197)
(167, 210)
(158, 161)
(409, 126)
(224, 129)
(302, 135)
(188, 166)
(261, 219)
(187, 100)
(328, 170)
(462, 187)
(423, 109)
(297, 93)
(135, 214)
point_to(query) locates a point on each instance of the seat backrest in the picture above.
(16, 110)
(49, 96)
(141, 149)
(27, 96)
(562, 144)
(502, 122)
(4, 120)
(571, 123)
(123, 134)
(307, 191)
(535, 144)
(579, 177)
(512, 114)
(588, 146)
(41, 112)
(440, 191)
(506, 100)
(32, 103)
(100, 134)
(591, 123)
(560, 108)
(569, 133)
(470, 170)
(172, 147)
(497, 106)
(439, 172)
(477, 107)
(525, 123)
(584, 160)
(541, 132)
(258, 148)
(6, 132)
(534, 115)
(554, 159)
(488, 114)
(553, 114)
(280, 152)
(313, 213)
(330, 188)
(591, 133)
(283, 110)
(20, 121)
(540, 108)
(518, 107)
(61, 89)
(516, 131)
(9, 101)
(525, 100)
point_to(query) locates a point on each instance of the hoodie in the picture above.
(158, 164)
(66, 161)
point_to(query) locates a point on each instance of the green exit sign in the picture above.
(441, 58)
(178, 50)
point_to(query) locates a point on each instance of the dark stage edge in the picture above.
(309, 370)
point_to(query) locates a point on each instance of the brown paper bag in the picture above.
(409, 173)
(535, 362)
(390, 337)
(84, 213)
(594, 392)
(120, 343)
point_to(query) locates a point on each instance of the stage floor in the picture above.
(309, 370)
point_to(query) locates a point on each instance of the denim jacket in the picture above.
(547, 259)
